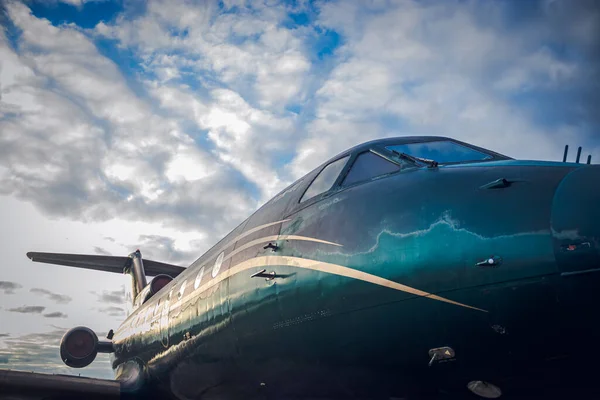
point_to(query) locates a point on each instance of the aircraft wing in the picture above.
(33, 385)
(104, 263)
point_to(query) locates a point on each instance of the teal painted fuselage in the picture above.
(346, 293)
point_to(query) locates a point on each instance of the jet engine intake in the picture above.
(156, 284)
(159, 282)
(80, 345)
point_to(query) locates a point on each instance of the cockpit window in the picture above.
(368, 165)
(442, 151)
(325, 180)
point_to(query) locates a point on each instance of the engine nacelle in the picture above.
(157, 283)
(79, 347)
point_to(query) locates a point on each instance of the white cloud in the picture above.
(189, 165)
(244, 46)
(537, 70)
(238, 131)
(78, 141)
(248, 67)
(78, 3)
(440, 69)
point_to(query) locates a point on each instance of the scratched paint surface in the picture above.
(356, 269)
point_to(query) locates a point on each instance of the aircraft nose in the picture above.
(576, 220)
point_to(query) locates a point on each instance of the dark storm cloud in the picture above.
(113, 297)
(40, 352)
(113, 311)
(28, 309)
(9, 287)
(56, 315)
(58, 298)
(101, 251)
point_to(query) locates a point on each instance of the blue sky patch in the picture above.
(297, 19)
(326, 43)
(85, 16)
(10, 30)
(125, 60)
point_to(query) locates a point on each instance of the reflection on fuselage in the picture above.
(358, 284)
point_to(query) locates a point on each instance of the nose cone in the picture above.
(576, 220)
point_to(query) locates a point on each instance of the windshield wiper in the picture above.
(417, 160)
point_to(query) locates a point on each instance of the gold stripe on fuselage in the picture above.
(241, 236)
(266, 261)
(245, 247)
(275, 238)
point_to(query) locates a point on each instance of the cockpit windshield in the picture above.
(442, 151)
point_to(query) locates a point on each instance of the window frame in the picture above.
(333, 186)
(337, 185)
(493, 155)
(378, 148)
(401, 167)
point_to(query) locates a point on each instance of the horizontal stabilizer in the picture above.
(104, 263)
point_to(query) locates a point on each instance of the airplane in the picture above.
(402, 268)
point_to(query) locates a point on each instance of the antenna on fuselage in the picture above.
(578, 155)
(566, 153)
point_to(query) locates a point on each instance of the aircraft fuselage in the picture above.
(347, 293)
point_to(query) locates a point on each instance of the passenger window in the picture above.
(181, 290)
(325, 180)
(199, 278)
(368, 165)
(218, 263)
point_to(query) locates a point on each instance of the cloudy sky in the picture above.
(163, 124)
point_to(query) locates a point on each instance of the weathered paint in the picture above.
(372, 276)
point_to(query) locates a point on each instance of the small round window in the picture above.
(218, 263)
(181, 290)
(198, 280)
